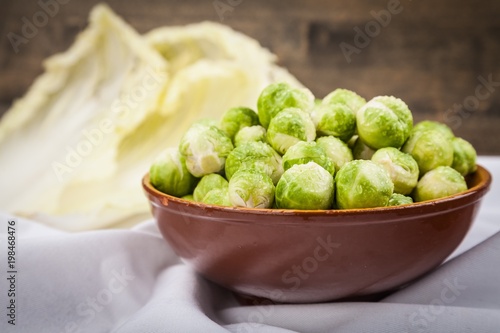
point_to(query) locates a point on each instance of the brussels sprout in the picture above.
(361, 151)
(237, 118)
(169, 174)
(304, 152)
(399, 199)
(279, 96)
(207, 184)
(255, 155)
(439, 183)
(433, 125)
(188, 197)
(363, 184)
(345, 97)
(430, 149)
(305, 186)
(384, 121)
(218, 196)
(252, 189)
(337, 150)
(248, 134)
(464, 156)
(212, 189)
(337, 120)
(205, 148)
(402, 168)
(289, 127)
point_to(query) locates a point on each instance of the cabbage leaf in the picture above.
(73, 150)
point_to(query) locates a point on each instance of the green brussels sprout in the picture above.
(433, 125)
(252, 133)
(188, 197)
(305, 186)
(255, 155)
(363, 184)
(464, 156)
(430, 148)
(278, 96)
(336, 120)
(304, 152)
(399, 199)
(169, 174)
(438, 183)
(337, 150)
(289, 127)
(345, 97)
(205, 148)
(361, 151)
(207, 184)
(252, 189)
(218, 196)
(384, 121)
(402, 168)
(237, 118)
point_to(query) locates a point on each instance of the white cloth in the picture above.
(131, 281)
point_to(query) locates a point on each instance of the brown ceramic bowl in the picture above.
(315, 256)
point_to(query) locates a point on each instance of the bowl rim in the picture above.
(429, 207)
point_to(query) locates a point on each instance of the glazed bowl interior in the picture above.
(316, 255)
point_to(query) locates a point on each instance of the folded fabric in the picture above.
(132, 281)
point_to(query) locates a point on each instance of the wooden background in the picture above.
(430, 55)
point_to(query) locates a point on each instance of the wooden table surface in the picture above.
(434, 55)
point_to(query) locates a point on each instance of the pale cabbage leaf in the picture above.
(73, 150)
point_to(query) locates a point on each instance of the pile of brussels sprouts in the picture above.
(300, 153)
